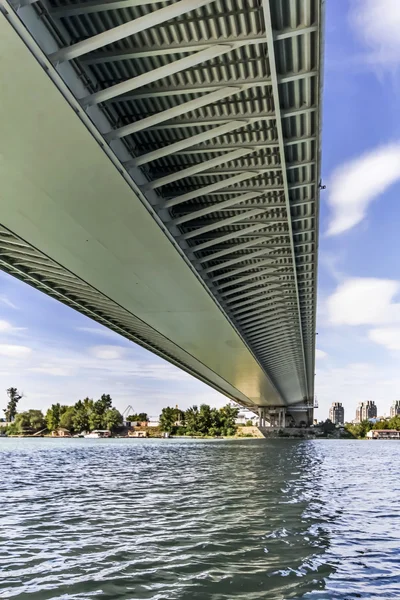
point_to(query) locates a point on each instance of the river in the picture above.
(191, 519)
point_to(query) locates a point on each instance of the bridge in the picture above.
(160, 168)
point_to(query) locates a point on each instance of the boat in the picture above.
(98, 433)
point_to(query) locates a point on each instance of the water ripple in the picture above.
(180, 520)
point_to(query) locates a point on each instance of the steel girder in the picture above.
(186, 95)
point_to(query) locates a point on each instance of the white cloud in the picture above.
(13, 351)
(5, 326)
(4, 300)
(107, 352)
(377, 23)
(50, 370)
(102, 331)
(319, 354)
(364, 301)
(356, 184)
(388, 337)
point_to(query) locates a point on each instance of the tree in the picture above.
(328, 426)
(80, 417)
(53, 416)
(11, 409)
(29, 422)
(36, 419)
(138, 417)
(167, 419)
(191, 419)
(229, 415)
(22, 423)
(113, 419)
(67, 418)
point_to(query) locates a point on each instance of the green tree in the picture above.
(167, 419)
(113, 419)
(27, 422)
(67, 418)
(53, 416)
(228, 415)
(11, 410)
(81, 415)
(36, 418)
(394, 423)
(328, 427)
(138, 417)
(191, 420)
(22, 423)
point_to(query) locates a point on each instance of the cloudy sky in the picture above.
(53, 354)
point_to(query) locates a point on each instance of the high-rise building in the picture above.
(336, 413)
(395, 409)
(366, 410)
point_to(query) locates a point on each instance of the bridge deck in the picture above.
(213, 109)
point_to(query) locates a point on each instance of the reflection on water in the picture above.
(169, 519)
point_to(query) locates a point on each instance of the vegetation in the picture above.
(203, 421)
(141, 417)
(360, 430)
(28, 423)
(11, 410)
(85, 415)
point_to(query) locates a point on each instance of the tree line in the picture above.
(360, 430)
(202, 421)
(89, 414)
(84, 415)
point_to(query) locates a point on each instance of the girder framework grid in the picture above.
(218, 104)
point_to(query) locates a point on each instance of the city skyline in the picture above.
(54, 354)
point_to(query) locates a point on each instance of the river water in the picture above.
(188, 520)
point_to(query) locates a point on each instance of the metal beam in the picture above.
(175, 111)
(279, 128)
(210, 148)
(245, 269)
(256, 145)
(258, 316)
(156, 74)
(247, 277)
(186, 143)
(260, 170)
(200, 122)
(197, 168)
(237, 291)
(263, 302)
(164, 49)
(126, 30)
(214, 208)
(227, 237)
(248, 298)
(210, 188)
(198, 88)
(216, 225)
(95, 6)
(237, 248)
(240, 259)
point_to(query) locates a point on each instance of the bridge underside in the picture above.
(160, 165)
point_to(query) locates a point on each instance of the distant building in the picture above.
(138, 434)
(336, 413)
(61, 432)
(383, 434)
(395, 409)
(366, 410)
(244, 416)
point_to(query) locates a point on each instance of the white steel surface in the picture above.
(205, 250)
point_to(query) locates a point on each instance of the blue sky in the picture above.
(54, 354)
